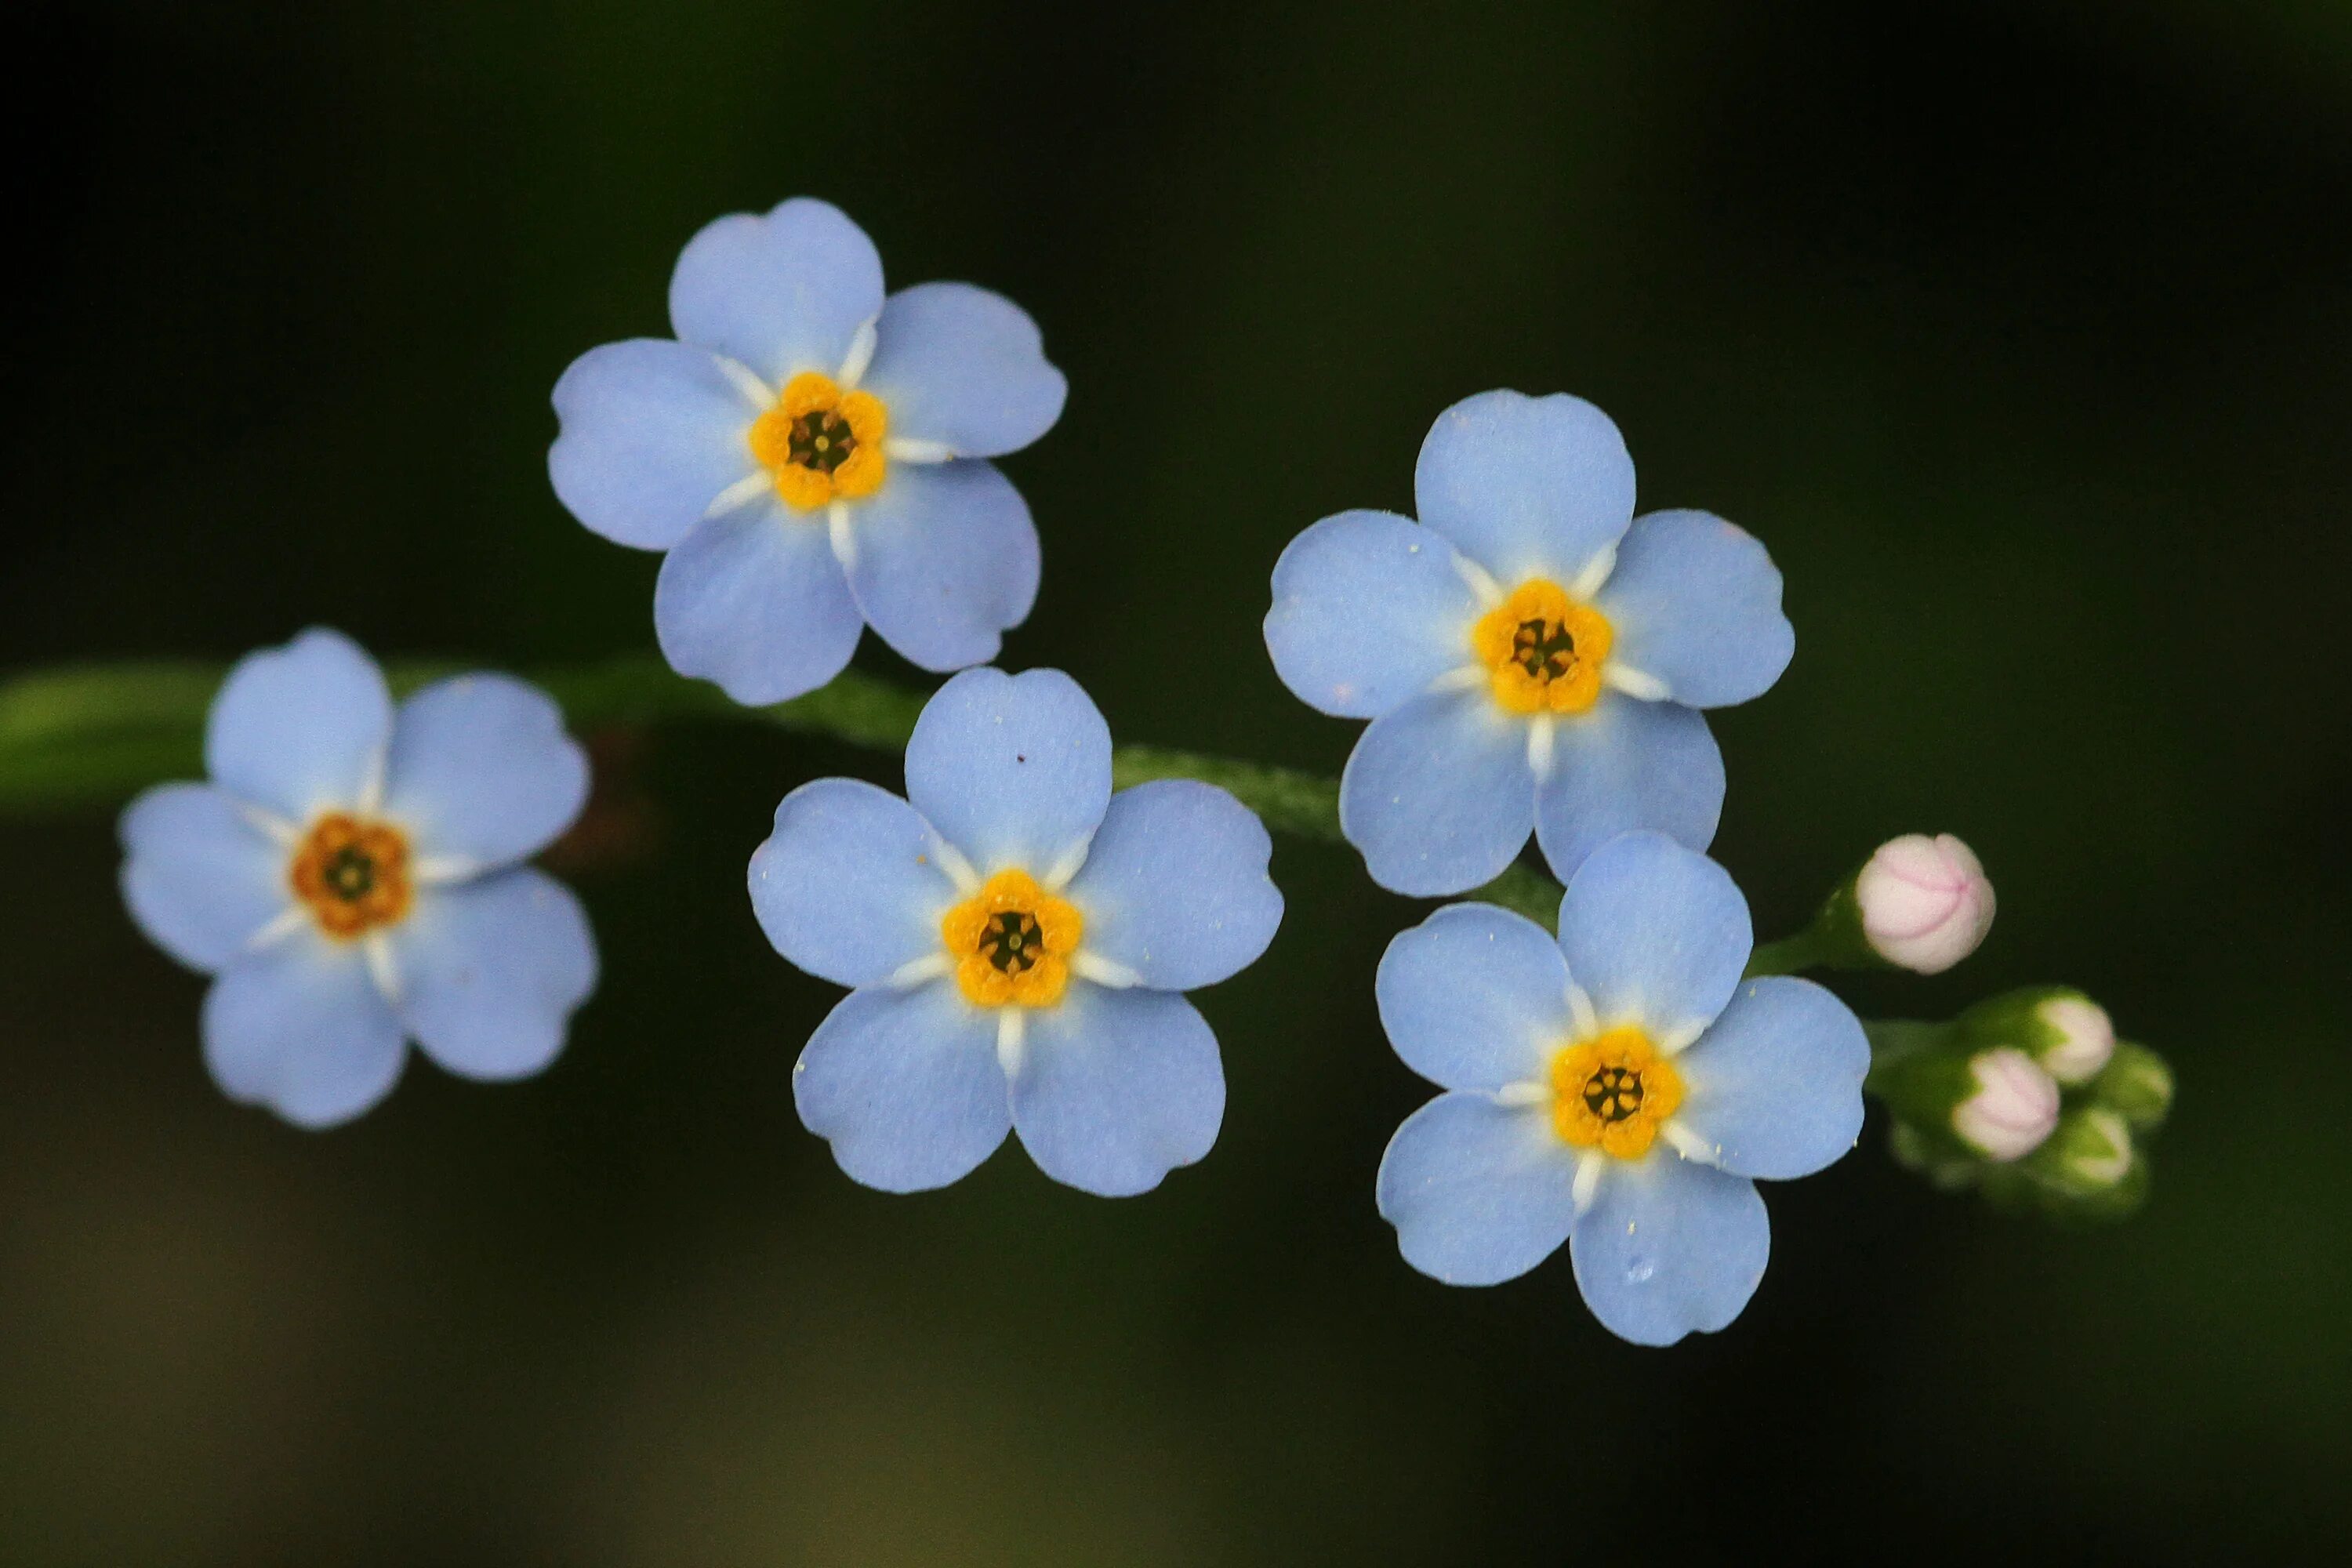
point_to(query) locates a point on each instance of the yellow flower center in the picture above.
(1544, 649)
(1011, 943)
(820, 443)
(1612, 1092)
(352, 875)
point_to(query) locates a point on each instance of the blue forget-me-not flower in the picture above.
(1620, 1088)
(351, 876)
(1018, 938)
(810, 454)
(1529, 652)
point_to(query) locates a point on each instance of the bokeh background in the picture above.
(2022, 332)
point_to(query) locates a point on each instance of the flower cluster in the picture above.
(353, 877)
(2030, 1098)
(812, 454)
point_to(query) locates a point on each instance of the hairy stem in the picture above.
(95, 736)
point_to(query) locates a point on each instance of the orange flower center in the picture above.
(1544, 649)
(1011, 943)
(1612, 1092)
(822, 444)
(352, 875)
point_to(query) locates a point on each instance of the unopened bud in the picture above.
(2136, 1085)
(2014, 1108)
(1925, 902)
(2090, 1153)
(2076, 1037)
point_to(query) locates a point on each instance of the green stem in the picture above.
(1790, 955)
(1893, 1042)
(95, 736)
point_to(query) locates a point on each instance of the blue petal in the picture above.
(300, 729)
(1628, 765)
(755, 601)
(491, 971)
(946, 559)
(1696, 603)
(1669, 1248)
(1529, 487)
(1776, 1084)
(782, 293)
(1116, 1088)
(1656, 934)
(1438, 794)
(300, 1029)
(199, 878)
(1478, 1193)
(652, 432)
(1174, 885)
(963, 367)
(905, 1086)
(481, 770)
(848, 886)
(1474, 997)
(1368, 608)
(1013, 770)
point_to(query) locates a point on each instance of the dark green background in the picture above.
(2023, 333)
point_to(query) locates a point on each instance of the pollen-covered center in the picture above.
(1011, 943)
(820, 443)
(1612, 1092)
(352, 875)
(1544, 650)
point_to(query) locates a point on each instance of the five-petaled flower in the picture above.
(1529, 652)
(1017, 938)
(1620, 1088)
(810, 454)
(352, 877)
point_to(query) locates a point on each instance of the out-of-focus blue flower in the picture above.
(1530, 653)
(810, 454)
(1620, 1088)
(1018, 938)
(353, 878)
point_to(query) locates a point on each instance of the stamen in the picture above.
(352, 875)
(1612, 1092)
(821, 444)
(1012, 943)
(1543, 651)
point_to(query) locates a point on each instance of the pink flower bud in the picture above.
(1925, 902)
(2013, 1109)
(2084, 1038)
